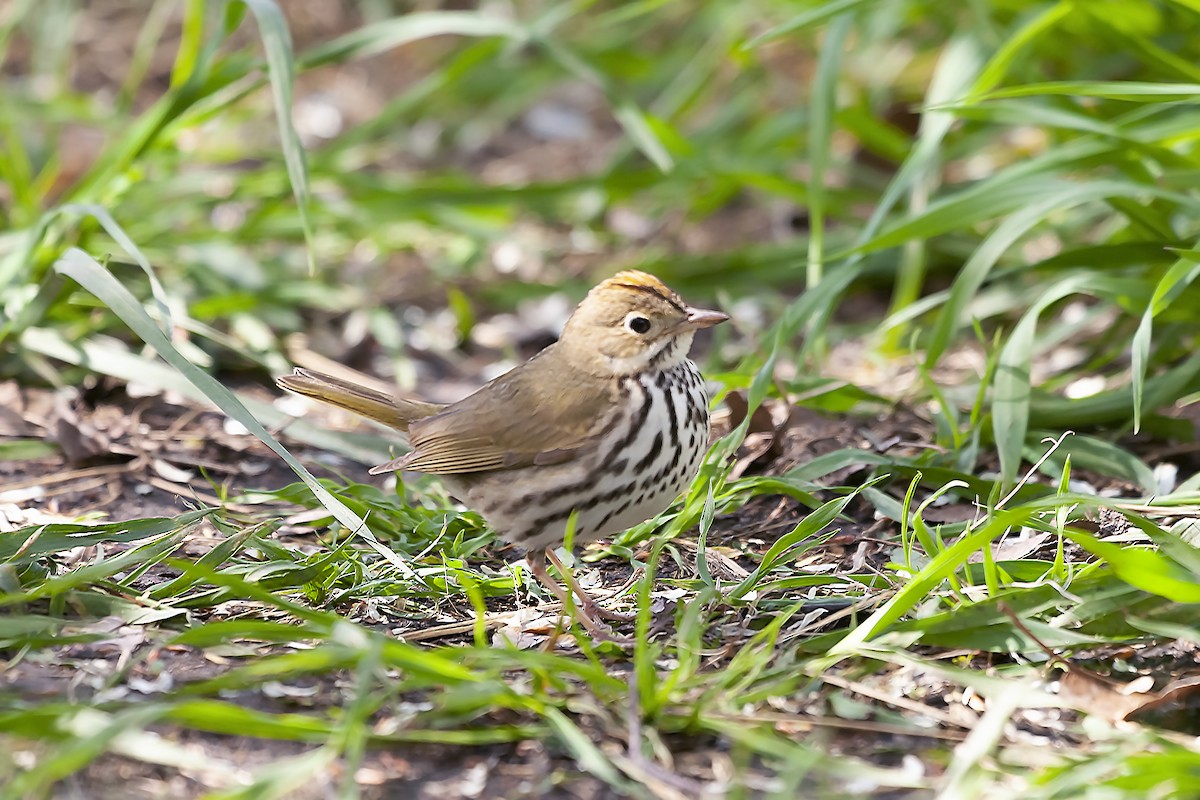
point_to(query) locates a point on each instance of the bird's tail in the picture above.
(395, 412)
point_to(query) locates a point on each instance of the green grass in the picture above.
(997, 212)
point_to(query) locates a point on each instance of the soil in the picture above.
(123, 458)
(126, 458)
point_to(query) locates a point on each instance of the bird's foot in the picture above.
(588, 612)
(589, 606)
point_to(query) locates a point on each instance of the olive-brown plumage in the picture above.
(609, 423)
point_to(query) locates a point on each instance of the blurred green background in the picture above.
(983, 163)
(944, 171)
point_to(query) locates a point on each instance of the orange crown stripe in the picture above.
(645, 282)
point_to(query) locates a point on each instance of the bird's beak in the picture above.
(699, 318)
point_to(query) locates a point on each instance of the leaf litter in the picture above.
(749, 691)
(923, 707)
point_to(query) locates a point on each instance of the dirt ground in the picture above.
(134, 458)
(118, 457)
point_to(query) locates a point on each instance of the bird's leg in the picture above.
(599, 630)
(587, 603)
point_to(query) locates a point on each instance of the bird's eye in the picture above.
(637, 323)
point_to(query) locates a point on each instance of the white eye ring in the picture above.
(637, 323)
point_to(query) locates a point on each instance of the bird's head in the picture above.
(632, 323)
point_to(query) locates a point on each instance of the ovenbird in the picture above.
(610, 423)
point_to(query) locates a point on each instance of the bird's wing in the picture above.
(524, 418)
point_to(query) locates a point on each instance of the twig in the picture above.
(892, 700)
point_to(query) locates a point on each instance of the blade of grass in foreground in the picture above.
(89, 274)
(29, 543)
(944, 564)
(277, 41)
(88, 733)
(1010, 412)
(823, 107)
(1130, 91)
(1170, 286)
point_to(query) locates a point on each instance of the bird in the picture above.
(606, 426)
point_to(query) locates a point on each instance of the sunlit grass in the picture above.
(936, 185)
